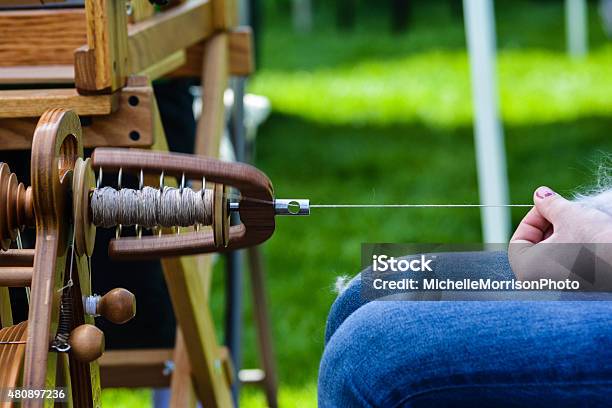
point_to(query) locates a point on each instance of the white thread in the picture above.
(91, 305)
(151, 207)
(416, 205)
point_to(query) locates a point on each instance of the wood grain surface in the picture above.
(131, 125)
(55, 147)
(41, 37)
(154, 39)
(34, 102)
(102, 65)
(135, 368)
(241, 61)
(37, 74)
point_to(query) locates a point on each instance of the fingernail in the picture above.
(544, 192)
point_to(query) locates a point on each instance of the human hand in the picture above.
(553, 236)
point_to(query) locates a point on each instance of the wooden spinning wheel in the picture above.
(99, 62)
(59, 345)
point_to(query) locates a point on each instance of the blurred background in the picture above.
(371, 102)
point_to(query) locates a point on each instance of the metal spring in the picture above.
(64, 326)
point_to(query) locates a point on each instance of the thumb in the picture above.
(550, 204)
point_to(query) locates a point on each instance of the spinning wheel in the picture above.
(59, 344)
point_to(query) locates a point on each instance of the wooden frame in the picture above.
(70, 54)
(100, 53)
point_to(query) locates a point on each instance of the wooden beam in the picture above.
(226, 363)
(17, 257)
(152, 40)
(135, 368)
(225, 14)
(186, 284)
(41, 37)
(181, 387)
(214, 83)
(16, 277)
(168, 64)
(33, 74)
(34, 102)
(6, 314)
(131, 125)
(102, 65)
(241, 59)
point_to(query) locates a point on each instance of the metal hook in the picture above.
(61, 347)
(161, 189)
(202, 196)
(119, 183)
(140, 186)
(181, 188)
(100, 176)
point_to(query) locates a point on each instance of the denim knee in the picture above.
(465, 354)
(345, 304)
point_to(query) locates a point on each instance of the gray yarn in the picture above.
(150, 207)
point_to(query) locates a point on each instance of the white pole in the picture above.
(488, 133)
(576, 24)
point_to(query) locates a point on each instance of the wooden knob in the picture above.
(117, 306)
(86, 343)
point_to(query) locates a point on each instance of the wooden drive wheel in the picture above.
(12, 350)
(58, 345)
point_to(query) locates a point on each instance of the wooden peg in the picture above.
(86, 343)
(117, 306)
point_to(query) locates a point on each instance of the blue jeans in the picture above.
(467, 353)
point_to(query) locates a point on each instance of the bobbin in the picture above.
(256, 206)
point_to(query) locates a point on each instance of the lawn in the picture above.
(369, 117)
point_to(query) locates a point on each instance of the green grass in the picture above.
(124, 398)
(536, 86)
(369, 117)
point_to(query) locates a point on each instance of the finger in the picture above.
(550, 204)
(532, 228)
(548, 233)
